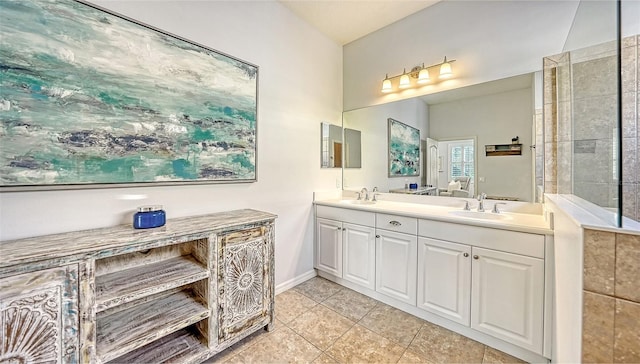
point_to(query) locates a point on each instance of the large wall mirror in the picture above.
(455, 126)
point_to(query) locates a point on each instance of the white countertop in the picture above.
(523, 222)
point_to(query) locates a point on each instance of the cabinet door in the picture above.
(396, 265)
(244, 280)
(444, 279)
(508, 297)
(39, 316)
(359, 255)
(329, 246)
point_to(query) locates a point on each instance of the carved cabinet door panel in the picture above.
(39, 316)
(244, 280)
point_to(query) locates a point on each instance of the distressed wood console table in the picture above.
(178, 293)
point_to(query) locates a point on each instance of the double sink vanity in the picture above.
(482, 274)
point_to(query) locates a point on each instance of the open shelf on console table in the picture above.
(182, 346)
(130, 284)
(123, 331)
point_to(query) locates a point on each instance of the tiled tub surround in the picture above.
(356, 246)
(611, 297)
(181, 292)
(319, 321)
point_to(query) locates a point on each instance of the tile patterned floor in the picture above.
(319, 321)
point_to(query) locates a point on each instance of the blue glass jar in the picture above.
(149, 217)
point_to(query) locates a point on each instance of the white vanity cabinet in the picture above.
(345, 245)
(396, 257)
(359, 252)
(444, 279)
(499, 292)
(329, 246)
(491, 284)
(507, 295)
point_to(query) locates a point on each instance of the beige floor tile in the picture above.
(392, 323)
(321, 326)
(280, 346)
(291, 304)
(410, 357)
(360, 345)
(318, 289)
(492, 356)
(350, 304)
(443, 346)
(241, 345)
(325, 359)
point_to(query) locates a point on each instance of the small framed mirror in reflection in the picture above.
(330, 145)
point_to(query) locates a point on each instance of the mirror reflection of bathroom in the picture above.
(455, 126)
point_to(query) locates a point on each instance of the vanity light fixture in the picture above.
(421, 73)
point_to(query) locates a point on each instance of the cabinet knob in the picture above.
(344, 229)
(377, 236)
(476, 257)
(339, 228)
(465, 255)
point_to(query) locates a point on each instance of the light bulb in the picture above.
(423, 76)
(386, 84)
(445, 69)
(404, 80)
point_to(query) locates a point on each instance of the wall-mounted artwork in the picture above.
(89, 98)
(404, 149)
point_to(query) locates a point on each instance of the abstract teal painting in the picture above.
(404, 149)
(89, 98)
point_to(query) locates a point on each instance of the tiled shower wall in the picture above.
(631, 127)
(611, 298)
(580, 124)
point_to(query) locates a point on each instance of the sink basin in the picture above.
(479, 215)
(358, 202)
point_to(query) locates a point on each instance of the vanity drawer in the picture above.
(497, 239)
(401, 224)
(346, 215)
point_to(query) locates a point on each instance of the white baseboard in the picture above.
(295, 281)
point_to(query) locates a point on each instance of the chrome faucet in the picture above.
(374, 193)
(466, 205)
(365, 192)
(495, 207)
(481, 198)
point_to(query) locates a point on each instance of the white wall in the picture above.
(489, 39)
(493, 119)
(372, 121)
(292, 103)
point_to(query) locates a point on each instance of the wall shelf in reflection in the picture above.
(503, 149)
